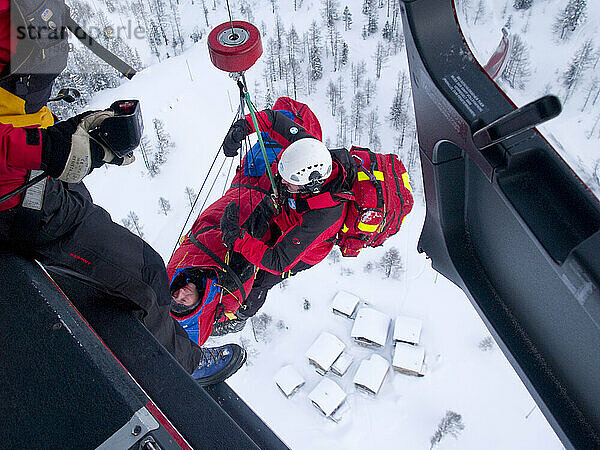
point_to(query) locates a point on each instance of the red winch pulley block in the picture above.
(234, 46)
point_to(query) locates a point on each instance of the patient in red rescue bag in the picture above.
(209, 282)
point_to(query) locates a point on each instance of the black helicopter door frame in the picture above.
(508, 222)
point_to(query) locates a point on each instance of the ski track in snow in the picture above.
(459, 376)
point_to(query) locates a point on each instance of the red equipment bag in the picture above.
(382, 199)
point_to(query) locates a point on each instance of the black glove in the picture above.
(68, 151)
(236, 134)
(230, 224)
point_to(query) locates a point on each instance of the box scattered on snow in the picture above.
(341, 365)
(408, 329)
(409, 359)
(345, 303)
(371, 374)
(370, 327)
(288, 380)
(328, 396)
(324, 351)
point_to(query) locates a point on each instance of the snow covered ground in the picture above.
(465, 371)
(459, 375)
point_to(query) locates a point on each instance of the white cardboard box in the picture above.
(327, 396)
(409, 359)
(408, 329)
(371, 374)
(289, 380)
(324, 351)
(370, 327)
(345, 303)
(341, 365)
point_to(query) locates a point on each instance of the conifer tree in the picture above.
(570, 18)
(347, 18)
(344, 54)
(522, 4)
(387, 33)
(314, 52)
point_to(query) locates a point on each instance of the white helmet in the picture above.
(306, 162)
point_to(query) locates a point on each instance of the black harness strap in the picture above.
(397, 186)
(376, 183)
(218, 260)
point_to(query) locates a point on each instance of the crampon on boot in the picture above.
(229, 326)
(218, 363)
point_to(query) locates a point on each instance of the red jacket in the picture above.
(17, 155)
(306, 226)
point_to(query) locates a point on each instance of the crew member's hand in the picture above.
(235, 136)
(230, 224)
(68, 151)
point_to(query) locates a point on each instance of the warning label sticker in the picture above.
(464, 94)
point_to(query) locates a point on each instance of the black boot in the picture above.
(229, 326)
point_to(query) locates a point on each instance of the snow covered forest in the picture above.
(555, 50)
(346, 60)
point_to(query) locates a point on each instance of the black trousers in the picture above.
(72, 234)
(263, 282)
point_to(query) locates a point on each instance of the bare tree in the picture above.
(517, 72)
(359, 71)
(293, 50)
(380, 57)
(451, 425)
(342, 126)
(399, 109)
(390, 263)
(479, 12)
(370, 89)
(374, 125)
(332, 96)
(132, 223)
(358, 115)
(578, 65)
(330, 10)
(164, 206)
(593, 91)
(190, 195)
(592, 131)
